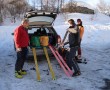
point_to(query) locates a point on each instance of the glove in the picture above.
(68, 49)
(18, 49)
(62, 44)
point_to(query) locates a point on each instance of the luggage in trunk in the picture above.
(35, 41)
(44, 40)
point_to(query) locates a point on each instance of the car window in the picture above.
(49, 30)
(32, 30)
(43, 29)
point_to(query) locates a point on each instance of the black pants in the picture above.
(70, 59)
(21, 57)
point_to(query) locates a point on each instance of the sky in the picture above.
(93, 2)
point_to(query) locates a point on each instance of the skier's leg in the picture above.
(68, 60)
(18, 65)
(24, 56)
(75, 65)
(18, 61)
(73, 61)
(79, 51)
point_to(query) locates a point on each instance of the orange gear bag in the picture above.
(44, 40)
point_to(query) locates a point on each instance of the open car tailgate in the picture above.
(41, 18)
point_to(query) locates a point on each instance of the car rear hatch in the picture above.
(40, 18)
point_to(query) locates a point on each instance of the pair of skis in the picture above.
(36, 64)
(61, 61)
(59, 58)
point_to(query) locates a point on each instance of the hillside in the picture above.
(78, 7)
(84, 4)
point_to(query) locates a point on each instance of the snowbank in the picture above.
(95, 47)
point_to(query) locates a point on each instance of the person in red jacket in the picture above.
(21, 40)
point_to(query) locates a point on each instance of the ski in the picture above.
(63, 61)
(36, 64)
(60, 62)
(49, 64)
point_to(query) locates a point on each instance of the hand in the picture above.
(18, 49)
(68, 49)
(62, 44)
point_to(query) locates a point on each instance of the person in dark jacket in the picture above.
(73, 41)
(21, 40)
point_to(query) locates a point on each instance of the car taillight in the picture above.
(59, 39)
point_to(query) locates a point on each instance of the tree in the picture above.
(1, 7)
(34, 3)
(48, 5)
(16, 8)
(52, 4)
(103, 7)
(71, 6)
(21, 7)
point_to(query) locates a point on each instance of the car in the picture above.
(41, 23)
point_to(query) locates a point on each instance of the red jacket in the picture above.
(21, 37)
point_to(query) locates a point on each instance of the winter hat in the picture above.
(72, 21)
(79, 20)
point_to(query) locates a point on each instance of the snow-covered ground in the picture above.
(95, 48)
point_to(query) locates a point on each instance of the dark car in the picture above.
(41, 23)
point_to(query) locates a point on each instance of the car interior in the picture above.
(44, 31)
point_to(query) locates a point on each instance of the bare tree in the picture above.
(62, 3)
(12, 11)
(34, 3)
(1, 7)
(20, 7)
(46, 5)
(71, 6)
(109, 9)
(103, 7)
(52, 4)
(16, 8)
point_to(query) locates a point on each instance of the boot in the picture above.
(23, 72)
(76, 73)
(18, 75)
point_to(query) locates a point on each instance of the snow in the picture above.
(95, 48)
